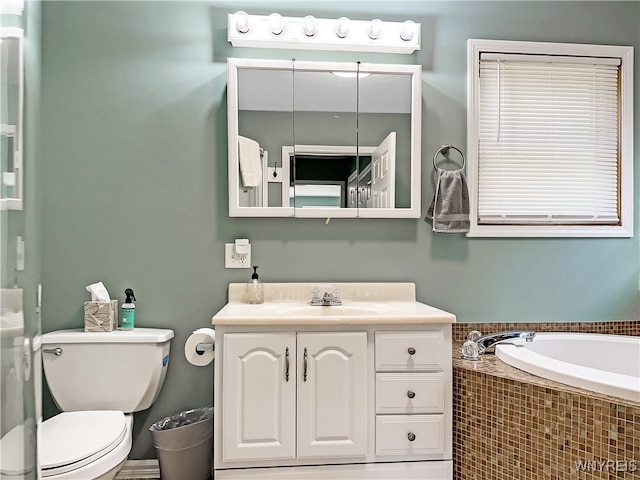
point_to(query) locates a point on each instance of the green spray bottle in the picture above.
(128, 311)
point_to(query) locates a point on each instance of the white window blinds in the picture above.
(548, 139)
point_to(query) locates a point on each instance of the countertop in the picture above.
(362, 304)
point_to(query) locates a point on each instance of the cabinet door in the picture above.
(258, 410)
(332, 394)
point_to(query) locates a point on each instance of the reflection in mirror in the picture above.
(384, 120)
(316, 139)
(265, 123)
(325, 114)
(11, 101)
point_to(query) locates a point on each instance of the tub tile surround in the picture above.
(460, 330)
(512, 424)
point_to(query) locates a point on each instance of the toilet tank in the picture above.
(120, 370)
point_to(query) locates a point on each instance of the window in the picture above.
(550, 139)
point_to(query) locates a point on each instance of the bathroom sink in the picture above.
(333, 310)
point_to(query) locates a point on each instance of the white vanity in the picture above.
(361, 390)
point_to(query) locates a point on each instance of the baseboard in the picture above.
(139, 469)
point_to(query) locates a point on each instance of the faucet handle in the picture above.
(470, 350)
(315, 295)
(473, 335)
(337, 296)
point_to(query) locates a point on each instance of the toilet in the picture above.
(98, 380)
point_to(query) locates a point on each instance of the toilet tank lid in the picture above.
(137, 335)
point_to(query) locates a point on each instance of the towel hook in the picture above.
(444, 149)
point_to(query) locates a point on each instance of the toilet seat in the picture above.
(88, 436)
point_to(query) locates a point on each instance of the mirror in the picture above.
(321, 139)
(11, 102)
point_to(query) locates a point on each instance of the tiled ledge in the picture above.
(491, 365)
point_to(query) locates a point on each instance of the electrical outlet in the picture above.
(234, 260)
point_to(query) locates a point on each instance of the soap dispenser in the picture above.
(255, 289)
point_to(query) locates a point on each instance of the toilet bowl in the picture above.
(96, 444)
(97, 379)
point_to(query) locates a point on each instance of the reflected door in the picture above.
(383, 174)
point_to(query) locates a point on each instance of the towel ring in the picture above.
(444, 149)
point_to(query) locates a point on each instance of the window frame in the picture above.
(626, 155)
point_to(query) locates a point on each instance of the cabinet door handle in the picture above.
(286, 362)
(305, 364)
(411, 394)
(411, 350)
(411, 436)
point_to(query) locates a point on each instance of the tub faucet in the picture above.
(479, 345)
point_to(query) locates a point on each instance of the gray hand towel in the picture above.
(449, 208)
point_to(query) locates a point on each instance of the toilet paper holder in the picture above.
(204, 347)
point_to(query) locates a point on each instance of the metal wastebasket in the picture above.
(184, 444)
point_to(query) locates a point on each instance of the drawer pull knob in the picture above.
(411, 394)
(412, 351)
(411, 436)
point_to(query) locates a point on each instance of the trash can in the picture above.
(184, 444)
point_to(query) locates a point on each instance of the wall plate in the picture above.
(234, 260)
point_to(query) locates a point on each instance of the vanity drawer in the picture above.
(410, 434)
(409, 351)
(410, 392)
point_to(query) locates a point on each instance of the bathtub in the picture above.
(608, 364)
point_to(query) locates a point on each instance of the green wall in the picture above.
(134, 168)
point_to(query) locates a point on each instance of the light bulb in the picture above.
(407, 31)
(309, 25)
(243, 23)
(276, 24)
(342, 27)
(374, 29)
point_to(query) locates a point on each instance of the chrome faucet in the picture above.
(479, 345)
(328, 298)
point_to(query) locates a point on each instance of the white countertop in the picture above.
(362, 304)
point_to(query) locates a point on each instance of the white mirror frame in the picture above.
(233, 131)
(15, 177)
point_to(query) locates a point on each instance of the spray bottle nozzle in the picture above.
(130, 295)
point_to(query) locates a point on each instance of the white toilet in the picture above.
(98, 380)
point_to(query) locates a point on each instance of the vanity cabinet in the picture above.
(294, 395)
(369, 401)
(361, 390)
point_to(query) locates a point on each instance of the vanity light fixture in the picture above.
(407, 31)
(374, 29)
(276, 24)
(309, 25)
(276, 31)
(242, 22)
(342, 27)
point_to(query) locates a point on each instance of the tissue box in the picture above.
(101, 316)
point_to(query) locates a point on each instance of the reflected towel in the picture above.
(449, 208)
(250, 163)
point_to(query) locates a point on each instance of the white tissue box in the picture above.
(101, 316)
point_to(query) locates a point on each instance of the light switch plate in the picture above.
(233, 260)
